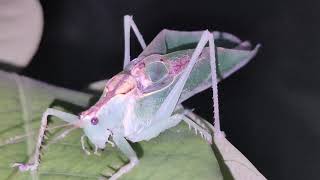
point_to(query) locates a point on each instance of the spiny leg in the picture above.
(159, 126)
(198, 120)
(195, 118)
(169, 104)
(44, 121)
(126, 149)
(205, 134)
(202, 122)
(218, 132)
(128, 24)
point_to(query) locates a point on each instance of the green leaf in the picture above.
(176, 154)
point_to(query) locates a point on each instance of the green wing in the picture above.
(232, 54)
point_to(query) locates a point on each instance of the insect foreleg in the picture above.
(126, 149)
(128, 24)
(44, 122)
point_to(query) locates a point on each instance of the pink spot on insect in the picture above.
(137, 69)
(23, 167)
(178, 65)
(141, 65)
(139, 74)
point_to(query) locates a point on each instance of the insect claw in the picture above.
(189, 126)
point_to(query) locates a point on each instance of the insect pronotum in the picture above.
(145, 98)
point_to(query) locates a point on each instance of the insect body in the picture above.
(144, 99)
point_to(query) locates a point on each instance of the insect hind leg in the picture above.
(156, 128)
(197, 119)
(180, 115)
(201, 129)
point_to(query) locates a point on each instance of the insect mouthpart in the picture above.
(120, 84)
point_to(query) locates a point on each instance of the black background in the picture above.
(270, 109)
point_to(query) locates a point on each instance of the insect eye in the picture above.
(156, 71)
(94, 121)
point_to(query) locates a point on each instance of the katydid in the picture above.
(145, 98)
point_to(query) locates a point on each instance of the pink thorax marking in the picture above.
(178, 65)
(119, 84)
(139, 74)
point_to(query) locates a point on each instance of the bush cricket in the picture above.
(145, 98)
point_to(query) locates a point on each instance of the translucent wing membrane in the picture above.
(168, 41)
(156, 71)
(231, 54)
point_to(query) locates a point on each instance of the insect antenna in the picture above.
(20, 138)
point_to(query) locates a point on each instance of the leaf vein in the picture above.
(24, 102)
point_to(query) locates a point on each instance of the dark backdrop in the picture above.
(270, 109)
